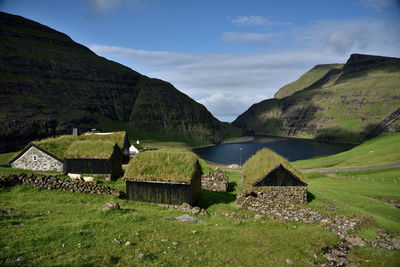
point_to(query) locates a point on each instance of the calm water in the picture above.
(290, 148)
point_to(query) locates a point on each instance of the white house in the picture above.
(133, 150)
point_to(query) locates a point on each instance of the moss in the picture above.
(175, 167)
(262, 163)
(90, 149)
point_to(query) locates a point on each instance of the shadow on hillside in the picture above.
(209, 198)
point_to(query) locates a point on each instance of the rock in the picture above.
(396, 243)
(164, 240)
(289, 261)
(63, 245)
(356, 241)
(111, 205)
(19, 260)
(127, 243)
(117, 241)
(194, 231)
(174, 243)
(204, 212)
(141, 256)
(258, 216)
(186, 218)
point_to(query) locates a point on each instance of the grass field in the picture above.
(377, 151)
(63, 228)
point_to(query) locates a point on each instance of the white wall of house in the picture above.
(36, 160)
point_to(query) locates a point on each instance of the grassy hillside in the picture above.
(63, 228)
(306, 79)
(377, 151)
(348, 105)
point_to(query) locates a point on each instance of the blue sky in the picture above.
(226, 55)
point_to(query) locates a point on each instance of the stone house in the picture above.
(269, 180)
(35, 158)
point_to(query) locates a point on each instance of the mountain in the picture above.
(334, 103)
(50, 84)
(306, 79)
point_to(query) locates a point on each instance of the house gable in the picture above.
(279, 176)
(36, 159)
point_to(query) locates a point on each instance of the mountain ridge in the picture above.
(50, 84)
(348, 104)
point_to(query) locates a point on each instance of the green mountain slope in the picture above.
(376, 151)
(358, 101)
(50, 84)
(306, 79)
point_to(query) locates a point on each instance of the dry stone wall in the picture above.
(217, 181)
(56, 183)
(36, 160)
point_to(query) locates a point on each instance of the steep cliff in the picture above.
(50, 84)
(347, 104)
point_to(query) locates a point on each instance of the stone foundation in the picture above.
(267, 197)
(217, 181)
(55, 183)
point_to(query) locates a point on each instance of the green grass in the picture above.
(377, 151)
(53, 218)
(6, 157)
(90, 149)
(262, 163)
(163, 166)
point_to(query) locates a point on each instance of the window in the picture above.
(34, 157)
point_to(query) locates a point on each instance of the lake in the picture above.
(290, 148)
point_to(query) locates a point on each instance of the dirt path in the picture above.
(391, 165)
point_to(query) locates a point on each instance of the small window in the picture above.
(34, 157)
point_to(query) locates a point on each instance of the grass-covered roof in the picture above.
(59, 145)
(162, 166)
(261, 163)
(90, 150)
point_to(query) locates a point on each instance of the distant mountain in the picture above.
(335, 103)
(50, 84)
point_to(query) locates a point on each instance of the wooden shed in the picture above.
(269, 178)
(164, 177)
(100, 158)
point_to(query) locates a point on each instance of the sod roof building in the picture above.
(99, 158)
(268, 179)
(48, 154)
(164, 177)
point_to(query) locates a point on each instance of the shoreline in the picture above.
(235, 141)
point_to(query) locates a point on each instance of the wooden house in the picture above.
(164, 177)
(121, 138)
(35, 158)
(99, 158)
(268, 178)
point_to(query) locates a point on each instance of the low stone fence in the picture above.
(261, 196)
(217, 181)
(55, 183)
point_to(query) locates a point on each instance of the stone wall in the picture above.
(217, 181)
(55, 183)
(268, 197)
(43, 161)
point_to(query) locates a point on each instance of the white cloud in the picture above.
(101, 6)
(379, 5)
(255, 21)
(236, 37)
(229, 83)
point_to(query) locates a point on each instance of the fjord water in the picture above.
(290, 148)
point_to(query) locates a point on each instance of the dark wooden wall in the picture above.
(164, 193)
(280, 177)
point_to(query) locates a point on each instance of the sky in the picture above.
(225, 54)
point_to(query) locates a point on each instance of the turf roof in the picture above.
(90, 150)
(59, 145)
(162, 166)
(264, 161)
